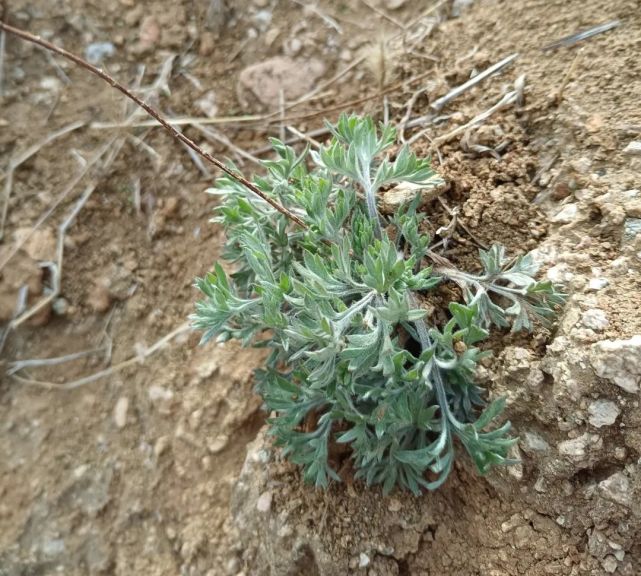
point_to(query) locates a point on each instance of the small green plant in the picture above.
(338, 303)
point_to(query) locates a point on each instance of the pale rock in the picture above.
(616, 488)
(567, 214)
(158, 393)
(609, 564)
(264, 502)
(633, 148)
(619, 361)
(120, 412)
(598, 544)
(603, 413)
(596, 284)
(363, 560)
(560, 274)
(394, 505)
(406, 192)
(595, 318)
(631, 227)
(266, 79)
(218, 444)
(576, 448)
(532, 442)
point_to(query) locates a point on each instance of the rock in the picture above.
(207, 104)
(595, 319)
(395, 4)
(218, 444)
(567, 214)
(264, 502)
(616, 488)
(158, 393)
(60, 306)
(96, 52)
(532, 442)
(631, 227)
(120, 412)
(609, 564)
(404, 193)
(394, 505)
(576, 448)
(633, 148)
(603, 413)
(266, 79)
(596, 284)
(598, 544)
(363, 560)
(619, 361)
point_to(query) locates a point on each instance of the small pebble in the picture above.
(264, 502)
(120, 412)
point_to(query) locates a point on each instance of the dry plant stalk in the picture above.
(153, 113)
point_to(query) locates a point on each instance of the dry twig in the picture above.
(439, 104)
(137, 359)
(578, 37)
(154, 114)
(14, 163)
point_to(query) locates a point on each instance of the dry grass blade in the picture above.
(507, 100)
(2, 53)
(220, 138)
(188, 121)
(439, 104)
(14, 163)
(154, 114)
(56, 267)
(67, 190)
(38, 362)
(579, 36)
(137, 359)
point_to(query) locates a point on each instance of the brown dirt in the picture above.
(133, 473)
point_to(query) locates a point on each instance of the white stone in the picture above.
(619, 361)
(575, 448)
(609, 564)
(567, 214)
(597, 284)
(120, 411)
(616, 488)
(595, 318)
(363, 560)
(633, 148)
(603, 413)
(156, 393)
(264, 502)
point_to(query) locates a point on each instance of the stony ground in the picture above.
(123, 457)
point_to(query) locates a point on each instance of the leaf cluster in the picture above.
(353, 360)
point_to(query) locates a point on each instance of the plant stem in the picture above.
(153, 113)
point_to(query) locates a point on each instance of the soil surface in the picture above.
(122, 440)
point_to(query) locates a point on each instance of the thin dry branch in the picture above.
(137, 359)
(67, 190)
(439, 104)
(154, 114)
(507, 100)
(56, 267)
(14, 163)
